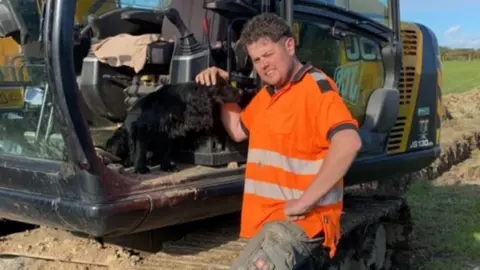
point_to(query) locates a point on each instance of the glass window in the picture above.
(355, 62)
(96, 7)
(28, 126)
(377, 10)
(145, 3)
(28, 10)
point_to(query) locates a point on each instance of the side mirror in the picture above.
(11, 23)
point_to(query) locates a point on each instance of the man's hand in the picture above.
(230, 111)
(296, 209)
(209, 76)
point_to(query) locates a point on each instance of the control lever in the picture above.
(92, 21)
(174, 17)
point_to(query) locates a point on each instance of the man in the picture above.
(302, 140)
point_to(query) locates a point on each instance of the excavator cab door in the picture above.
(50, 173)
(45, 150)
(358, 50)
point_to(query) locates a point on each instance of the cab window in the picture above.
(28, 123)
(28, 10)
(354, 61)
(377, 10)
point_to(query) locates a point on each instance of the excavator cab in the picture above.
(68, 97)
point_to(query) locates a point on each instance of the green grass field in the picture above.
(460, 76)
(447, 226)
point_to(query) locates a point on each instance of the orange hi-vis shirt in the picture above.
(289, 136)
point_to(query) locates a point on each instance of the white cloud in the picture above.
(452, 31)
(455, 38)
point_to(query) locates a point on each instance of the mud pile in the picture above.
(460, 133)
(466, 172)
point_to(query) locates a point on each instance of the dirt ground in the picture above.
(458, 164)
(58, 249)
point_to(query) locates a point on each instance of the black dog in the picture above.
(171, 112)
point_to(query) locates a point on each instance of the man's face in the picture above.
(273, 60)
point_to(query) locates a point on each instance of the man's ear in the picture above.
(290, 45)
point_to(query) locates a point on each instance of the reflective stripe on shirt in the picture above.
(276, 192)
(275, 159)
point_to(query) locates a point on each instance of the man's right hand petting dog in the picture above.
(172, 111)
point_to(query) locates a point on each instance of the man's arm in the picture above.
(231, 119)
(337, 125)
(344, 147)
(235, 121)
(231, 112)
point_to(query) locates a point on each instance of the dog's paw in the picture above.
(169, 167)
(232, 165)
(106, 157)
(142, 170)
(116, 167)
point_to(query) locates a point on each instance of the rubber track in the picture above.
(218, 248)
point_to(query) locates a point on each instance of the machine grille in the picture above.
(407, 78)
(409, 40)
(406, 87)
(396, 134)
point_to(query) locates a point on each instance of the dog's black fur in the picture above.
(171, 112)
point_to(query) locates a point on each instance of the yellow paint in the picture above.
(437, 138)
(9, 62)
(39, 6)
(296, 33)
(11, 98)
(440, 78)
(406, 111)
(12, 66)
(440, 108)
(370, 77)
(415, 90)
(84, 6)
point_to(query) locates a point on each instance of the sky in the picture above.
(456, 23)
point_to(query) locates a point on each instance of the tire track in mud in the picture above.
(460, 137)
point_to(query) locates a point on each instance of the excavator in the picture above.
(60, 101)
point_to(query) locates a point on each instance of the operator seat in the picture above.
(128, 20)
(102, 85)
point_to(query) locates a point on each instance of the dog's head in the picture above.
(222, 92)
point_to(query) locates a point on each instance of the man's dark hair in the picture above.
(266, 25)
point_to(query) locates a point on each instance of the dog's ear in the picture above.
(221, 82)
(228, 93)
(233, 90)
